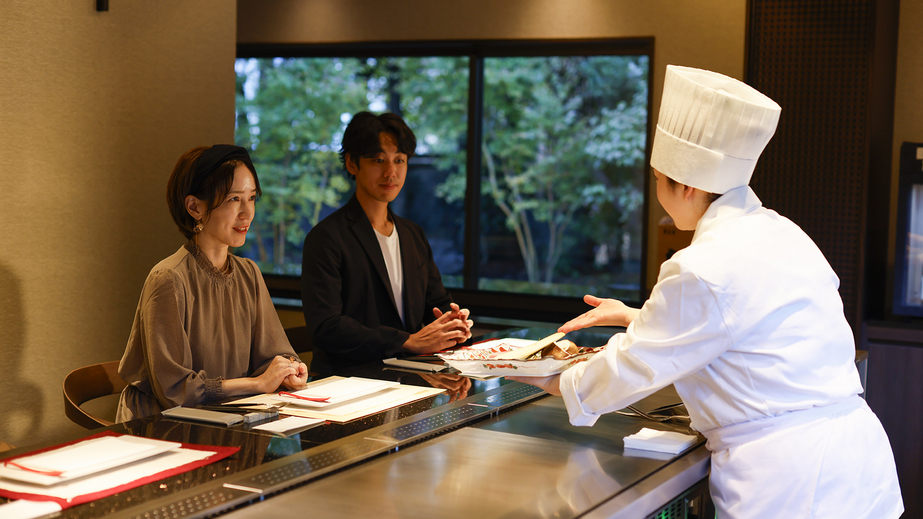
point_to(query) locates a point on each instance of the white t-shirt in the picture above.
(391, 250)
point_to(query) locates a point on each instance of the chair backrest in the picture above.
(85, 384)
(300, 339)
(302, 343)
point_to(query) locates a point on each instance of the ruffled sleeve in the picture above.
(166, 348)
(268, 336)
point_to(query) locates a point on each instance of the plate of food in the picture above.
(518, 357)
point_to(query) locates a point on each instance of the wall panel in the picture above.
(96, 108)
(814, 59)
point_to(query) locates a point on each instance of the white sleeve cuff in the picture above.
(568, 385)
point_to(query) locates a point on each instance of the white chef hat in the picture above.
(711, 129)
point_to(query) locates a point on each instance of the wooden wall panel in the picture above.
(895, 393)
(831, 65)
(814, 59)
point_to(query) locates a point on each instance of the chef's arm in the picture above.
(605, 312)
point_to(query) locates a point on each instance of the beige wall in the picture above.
(908, 98)
(706, 34)
(95, 108)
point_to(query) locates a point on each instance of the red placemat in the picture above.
(219, 454)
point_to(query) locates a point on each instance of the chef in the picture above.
(746, 323)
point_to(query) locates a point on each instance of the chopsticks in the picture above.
(37, 471)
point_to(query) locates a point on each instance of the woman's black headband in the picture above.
(212, 158)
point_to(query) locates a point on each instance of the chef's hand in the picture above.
(549, 384)
(461, 314)
(607, 312)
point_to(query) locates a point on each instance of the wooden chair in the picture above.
(85, 384)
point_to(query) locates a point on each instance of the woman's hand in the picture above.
(549, 384)
(607, 312)
(284, 371)
(299, 378)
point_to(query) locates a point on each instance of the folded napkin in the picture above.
(23, 509)
(288, 424)
(659, 441)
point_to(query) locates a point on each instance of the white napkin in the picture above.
(290, 423)
(659, 441)
(86, 457)
(23, 509)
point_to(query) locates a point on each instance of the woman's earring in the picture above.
(198, 227)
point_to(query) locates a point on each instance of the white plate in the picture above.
(484, 365)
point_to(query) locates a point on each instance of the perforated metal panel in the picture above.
(674, 510)
(294, 470)
(189, 507)
(814, 59)
(694, 503)
(439, 422)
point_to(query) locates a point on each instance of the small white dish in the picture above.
(479, 360)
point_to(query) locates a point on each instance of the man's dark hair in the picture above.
(361, 136)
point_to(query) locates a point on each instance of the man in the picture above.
(368, 281)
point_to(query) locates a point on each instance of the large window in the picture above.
(542, 193)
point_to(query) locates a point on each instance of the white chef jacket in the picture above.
(748, 326)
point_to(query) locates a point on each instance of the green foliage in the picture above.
(289, 118)
(291, 114)
(563, 135)
(564, 142)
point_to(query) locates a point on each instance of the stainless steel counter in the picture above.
(505, 450)
(525, 463)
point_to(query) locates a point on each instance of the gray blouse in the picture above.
(195, 326)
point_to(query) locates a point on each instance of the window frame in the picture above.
(286, 290)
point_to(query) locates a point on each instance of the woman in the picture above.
(746, 323)
(205, 328)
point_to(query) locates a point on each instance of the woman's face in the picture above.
(227, 224)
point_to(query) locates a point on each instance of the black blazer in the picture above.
(348, 302)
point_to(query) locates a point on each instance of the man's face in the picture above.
(380, 178)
